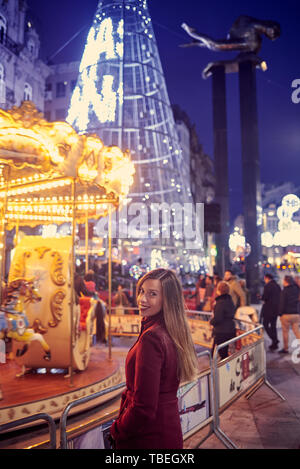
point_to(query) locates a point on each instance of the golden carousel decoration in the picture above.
(49, 174)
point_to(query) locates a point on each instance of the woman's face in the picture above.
(150, 299)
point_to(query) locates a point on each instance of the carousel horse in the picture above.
(14, 323)
(68, 334)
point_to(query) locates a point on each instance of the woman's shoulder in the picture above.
(223, 298)
(224, 301)
(157, 333)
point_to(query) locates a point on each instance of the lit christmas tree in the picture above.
(121, 96)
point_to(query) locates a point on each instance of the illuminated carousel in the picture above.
(49, 174)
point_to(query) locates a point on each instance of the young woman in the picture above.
(222, 321)
(162, 357)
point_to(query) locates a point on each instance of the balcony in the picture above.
(10, 44)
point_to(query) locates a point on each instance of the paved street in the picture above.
(264, 421)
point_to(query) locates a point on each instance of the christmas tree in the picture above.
(121, 96)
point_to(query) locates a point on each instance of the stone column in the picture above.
(250, 172)
(221, 164)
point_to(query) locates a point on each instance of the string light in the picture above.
(100, 41)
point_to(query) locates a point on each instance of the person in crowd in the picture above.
(96, 267)
(222, 320)
(200, 291)
(86, 287)
(246, 291)
(209, 288)
(162, 357)
(89, 280)
(80, 287)
(235, 290)
(297, 281)
(81, 267)
(121, 301)
(289, 311)
(270, 309)
(216, 280)
(101, 330)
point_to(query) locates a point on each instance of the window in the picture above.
(2, 29)
(27, 92)
(48, 92)
(31, 46)
(47, 115)
(1, 72)
(60, 114)
(61, 89)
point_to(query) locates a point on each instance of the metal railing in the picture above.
(253, 388)
(210, 420)
(77, 402)
(214, 396)
(84, 400)
(31, 418)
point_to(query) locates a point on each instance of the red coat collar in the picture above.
(149, 321)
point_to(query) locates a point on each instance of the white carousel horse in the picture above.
(14, 322)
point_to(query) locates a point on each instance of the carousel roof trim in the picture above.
(39, 160)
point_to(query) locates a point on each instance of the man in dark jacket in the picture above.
(270, 309)
(288, 311)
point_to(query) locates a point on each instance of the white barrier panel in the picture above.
(125, 324)
(129, 325)
(194, 404)
(239, 373)
(201, 332)
(96, 438)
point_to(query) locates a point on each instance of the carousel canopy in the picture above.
(47, 169)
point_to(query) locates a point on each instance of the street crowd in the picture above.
(224, 297)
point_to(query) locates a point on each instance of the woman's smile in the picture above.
(149, 298)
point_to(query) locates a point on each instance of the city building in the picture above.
(201, 167)
(280, 235)
(59, 87)
(22, 73)
(200, 171)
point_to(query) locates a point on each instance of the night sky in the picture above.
(58, 21)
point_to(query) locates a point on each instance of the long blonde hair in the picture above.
(175, 320)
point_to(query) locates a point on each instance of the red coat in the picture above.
(149, 415)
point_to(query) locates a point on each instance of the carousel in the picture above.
(50, 175)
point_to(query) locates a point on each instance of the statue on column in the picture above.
(245, 35)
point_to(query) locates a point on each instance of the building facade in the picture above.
(22, 73)
(201, 168)
(280, 237)
(59, 87)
